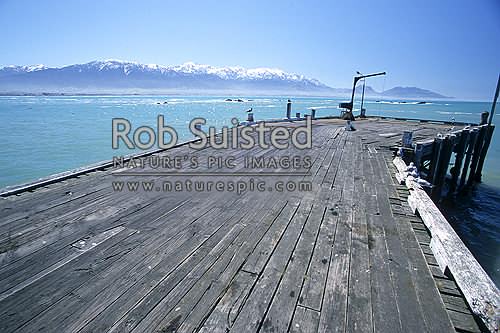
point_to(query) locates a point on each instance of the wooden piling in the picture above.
(422, 150)
(484, 150)
(484, 118)
(442, 165)
(460, 152)
(407, 139)
(436, 150)
(470, 148)
(476, 154)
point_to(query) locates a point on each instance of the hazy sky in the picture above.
(452, 47)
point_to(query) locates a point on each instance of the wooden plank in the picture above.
(254, 309)
(79, 248)
(221, 319)
(400, 266)
(54, 246)
(334, 306)
(384, 308)
(201, 306)
(152, 308)
(138, 263)
(159, 269)
(359, 307)
(481, 293)
(14, 311)
(311, 295)
(280, 312)
(463, 322)
(305, 320)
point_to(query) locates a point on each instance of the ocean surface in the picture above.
(46, 135)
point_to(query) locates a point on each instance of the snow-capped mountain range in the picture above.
(124, 77)
(120, 75)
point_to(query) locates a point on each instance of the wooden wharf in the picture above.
(362, 251)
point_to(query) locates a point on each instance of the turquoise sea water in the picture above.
(46, 135)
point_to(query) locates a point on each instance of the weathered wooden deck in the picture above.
(76, 256)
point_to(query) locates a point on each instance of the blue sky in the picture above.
(452, 47)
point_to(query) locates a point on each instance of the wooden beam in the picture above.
(479, 290)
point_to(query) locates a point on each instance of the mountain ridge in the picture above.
(125, 77)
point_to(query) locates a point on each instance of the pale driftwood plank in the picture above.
(481, 293)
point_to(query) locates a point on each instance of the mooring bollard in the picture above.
(250, 117)
(313, 114)
(297, 115)
(484, 118)
(289, 109)
(407, 139)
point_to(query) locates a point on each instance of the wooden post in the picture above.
(297, 115)
(419, 149)
(436, 150)
(460, 152)
(484, 118)
(493, 106)
(442, 166)
(487, 141)
(423, 149)
(470, 149)
(407, 139)
(476, 154)
(313, 114)
(289, 109)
